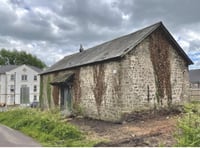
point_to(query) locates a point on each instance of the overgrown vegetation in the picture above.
(188, 133)
(46, 127)
(49, 91)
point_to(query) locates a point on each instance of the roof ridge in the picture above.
(194, 69)
(112, 49)
(91, 48)
(158, 23)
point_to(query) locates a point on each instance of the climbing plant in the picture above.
(159, 53)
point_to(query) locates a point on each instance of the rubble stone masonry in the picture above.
(110, 89)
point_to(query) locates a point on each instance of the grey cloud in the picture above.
(94, 12)
(175, 13)
(90, 22)
(194, 46)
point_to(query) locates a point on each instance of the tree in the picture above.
(18, 58)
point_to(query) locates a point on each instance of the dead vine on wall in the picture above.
(99, 84)
(116, 87)
(56, 95)
(55, 92)
(77, 88)
(159, 53)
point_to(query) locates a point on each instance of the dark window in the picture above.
(35, 78)
(12, 77)
(12, 88)
(24, 77)
(35, 98)
(35, 88)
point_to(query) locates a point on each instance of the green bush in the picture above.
(188, 133)
(45, 127)
(66, 131)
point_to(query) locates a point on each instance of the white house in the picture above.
(19, 84)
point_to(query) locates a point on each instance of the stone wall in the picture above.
(138, 82)
(46, 92)
(179, 78)
(141, 76)
(100, 90)
(95, 92)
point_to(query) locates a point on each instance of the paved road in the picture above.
(13, 138)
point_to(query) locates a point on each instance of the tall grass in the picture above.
(188, 133)
(45, 127)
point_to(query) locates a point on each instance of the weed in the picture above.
(188, 133)
(46, 127)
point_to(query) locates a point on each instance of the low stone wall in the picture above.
(194, 94)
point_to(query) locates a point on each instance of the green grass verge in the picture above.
(188, 133)
(46, 127)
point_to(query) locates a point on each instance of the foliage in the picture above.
(45, 127)
(18, 58)
(49, 91)
(188, 133)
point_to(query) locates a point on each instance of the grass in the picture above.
(46, 127)
(188, 133)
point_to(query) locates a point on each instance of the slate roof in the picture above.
(35, 68)
(6, 68)
(112, 49)
(62, 79)
(194, 76)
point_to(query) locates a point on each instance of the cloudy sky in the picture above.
(52, 29)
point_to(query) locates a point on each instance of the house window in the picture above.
(35, 98)
(35, 78)
(12, 77)
(35, 88)
(24, 77)
(12, 88)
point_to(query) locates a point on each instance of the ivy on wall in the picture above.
(49, 91)
(99, 84)
(76, 89)
(159, 54)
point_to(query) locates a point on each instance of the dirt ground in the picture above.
(155, 131)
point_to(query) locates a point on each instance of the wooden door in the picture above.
(65, 103)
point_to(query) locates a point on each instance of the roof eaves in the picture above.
(177, 45)
(75, 66)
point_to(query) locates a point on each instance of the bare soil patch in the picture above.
(148, 130)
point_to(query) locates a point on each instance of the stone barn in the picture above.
(135, 72)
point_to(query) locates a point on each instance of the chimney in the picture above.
(81, 48)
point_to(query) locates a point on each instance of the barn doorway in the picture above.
(64, 84)
(65, 98)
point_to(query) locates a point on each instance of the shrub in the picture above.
(188, 133)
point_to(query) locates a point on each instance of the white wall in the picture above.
(6, 82)
(2, 88)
